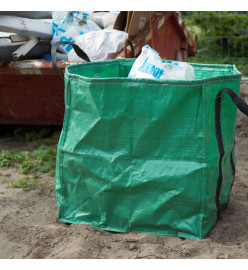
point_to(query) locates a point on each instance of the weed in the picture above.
(32, 136)
(43, 159)
(44, 169)
(21, 156)
(52, 173)
(18, 131)
(25, 167)
(46, 158)
(56, 135)
(26, 183)
(53, 139)
(8, 158)
(35, 176)
(31, 164)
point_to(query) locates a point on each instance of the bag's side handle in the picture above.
(80, 53)
(243, 107)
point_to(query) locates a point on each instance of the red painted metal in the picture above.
(31, 99)
(32, 93)
(171, 38)
(31, 67)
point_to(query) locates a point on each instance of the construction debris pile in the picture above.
(30, 35)
(102, 35)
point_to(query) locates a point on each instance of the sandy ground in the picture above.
(29, 229)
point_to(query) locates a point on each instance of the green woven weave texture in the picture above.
(140, 154)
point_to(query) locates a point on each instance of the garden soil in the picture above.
(29, 228)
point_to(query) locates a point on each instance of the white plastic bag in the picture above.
(109, 19)
(105, 19)
(97, 17)
(149, 65)
(100, 45)
(57, 17)
(68, 25)
(82, 15)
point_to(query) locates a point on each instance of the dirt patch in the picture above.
(29, 229)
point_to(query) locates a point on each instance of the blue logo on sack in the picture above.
(67, 47)
(58, 30)
(151, 69)
(54, 27)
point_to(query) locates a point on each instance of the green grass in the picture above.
(32, 164)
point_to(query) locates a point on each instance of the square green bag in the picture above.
(144, 155)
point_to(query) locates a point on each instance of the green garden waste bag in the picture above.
(144, 155)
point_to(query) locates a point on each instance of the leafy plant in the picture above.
(32, 136)
(46, 158)
(8, 158)
(25, 167)
(26, 183)
(32, 164)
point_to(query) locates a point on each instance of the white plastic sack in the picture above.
(66, 19)
(100, 45)
(68, 25)
(57, 17)
(81, 15)
(109, 19)
(149, 65)
(97, 18)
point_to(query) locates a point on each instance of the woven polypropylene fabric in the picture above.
(141, 154)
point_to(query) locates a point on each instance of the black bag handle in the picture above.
(243, 107)
(80, 53)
